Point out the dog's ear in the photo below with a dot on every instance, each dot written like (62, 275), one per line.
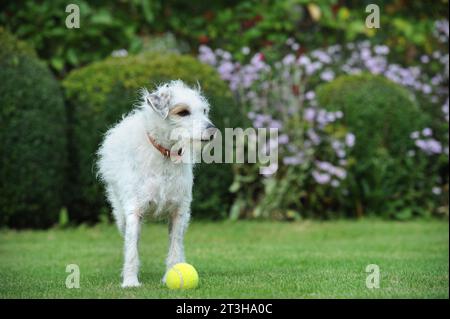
(159, 102)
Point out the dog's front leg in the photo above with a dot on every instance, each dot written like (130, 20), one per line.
(131, 264)
(178, 223)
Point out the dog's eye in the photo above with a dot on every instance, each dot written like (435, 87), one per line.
(184, 113)
(204, 111)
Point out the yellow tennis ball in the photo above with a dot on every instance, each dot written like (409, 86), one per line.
(182, 276)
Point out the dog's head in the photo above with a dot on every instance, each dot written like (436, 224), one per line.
(184, 111)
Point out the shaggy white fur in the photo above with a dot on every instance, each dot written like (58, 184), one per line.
(140, 179)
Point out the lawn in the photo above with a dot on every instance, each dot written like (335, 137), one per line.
(237, 260)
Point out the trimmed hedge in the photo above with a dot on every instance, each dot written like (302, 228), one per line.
(382, 116)
(381, 113)
(99, 94)
(33, 138)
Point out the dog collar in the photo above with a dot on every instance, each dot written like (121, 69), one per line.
(164, 151)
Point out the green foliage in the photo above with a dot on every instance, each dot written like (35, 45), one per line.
(382, 115)
(99, 94)
(33, 135)
(104, 26)
(263, 26)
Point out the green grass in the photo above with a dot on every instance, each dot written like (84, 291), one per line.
(237, 260)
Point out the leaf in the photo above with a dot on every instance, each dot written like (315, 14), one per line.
(235, 186)
(72, 57)
(57, 63)
(102, 17)
(148, 12)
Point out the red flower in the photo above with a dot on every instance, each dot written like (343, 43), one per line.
(247, 24)
(335, 8)
(208, 15)
(267, 43)
(258, 18)
(203, 39)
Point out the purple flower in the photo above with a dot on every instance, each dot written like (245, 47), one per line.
(288, 59)
(436, 190)
(225, 70)
(321, 178)
(313, 137)
(292, 160)
(322, 56)
(427, 132)
(415, 135)
(327, 75)
(365, 54)
(310, 95)
(206, 55)
(350, 139)
(295, 46)
(309, 114)
(341, 153)
(245, 50)
(335, 183)
(340, 172)
(425, 59)
(275, 124)
(283, 139)
(426, 89)
(304, 60)
(381, 49)
(429, 146)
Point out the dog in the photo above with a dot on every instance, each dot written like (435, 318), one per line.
(144, 171)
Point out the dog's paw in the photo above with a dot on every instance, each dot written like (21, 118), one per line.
(131, 282)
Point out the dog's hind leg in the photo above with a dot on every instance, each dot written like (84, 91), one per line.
(117, 209)
(131, 254)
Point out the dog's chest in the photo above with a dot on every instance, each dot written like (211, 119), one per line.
(170, 190)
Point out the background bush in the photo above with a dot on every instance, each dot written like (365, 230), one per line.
(33, 138)
(259, 25)
(382, 115)
(273, 55)
(99, 94)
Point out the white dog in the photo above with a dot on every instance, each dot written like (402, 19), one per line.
(143, 169)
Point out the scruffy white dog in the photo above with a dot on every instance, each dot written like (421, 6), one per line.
(143, 169)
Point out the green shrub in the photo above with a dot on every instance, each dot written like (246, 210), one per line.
(33, 138)
(381, 113)
(100, 93)
(382, 116)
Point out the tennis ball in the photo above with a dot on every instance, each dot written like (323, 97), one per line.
(182, 276)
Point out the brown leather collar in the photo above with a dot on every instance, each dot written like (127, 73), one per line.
(164, 151)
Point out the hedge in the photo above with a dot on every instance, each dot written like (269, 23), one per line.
(33, 138)
(382, 116)
(99, 94)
